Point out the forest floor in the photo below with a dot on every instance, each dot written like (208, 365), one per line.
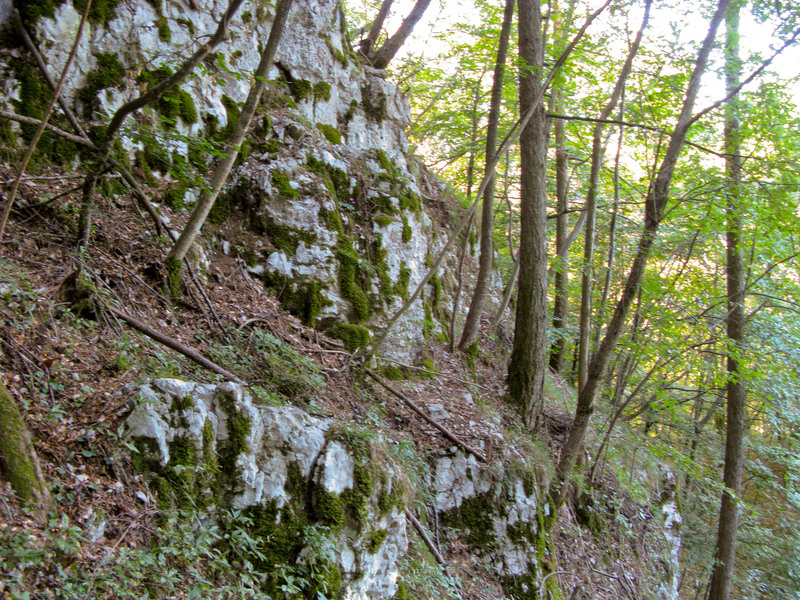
(75, 376)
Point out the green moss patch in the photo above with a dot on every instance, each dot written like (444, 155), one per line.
(301, 89)
(330, 132)
(354, 336)
(352, 281)
(281, 182)
(322, 91)
(305, 300)
(101, 12)
(35, 95)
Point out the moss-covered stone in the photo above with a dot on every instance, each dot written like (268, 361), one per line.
(384, 220)
(228, 450)
(330, 132)
(305, 300)
(403, 281)
(164, 33)
(31, 12)
(407, 232)
(474, 517)
(375, 539)
(350, 280)
(174, 196)
(354, 336)
(233, 111)
(330, 509)
(34, 97)
(301, 89)
(108, 73)
(374, 104)
(322, 91)
(281, 183)
(394, 373)
(101, 12)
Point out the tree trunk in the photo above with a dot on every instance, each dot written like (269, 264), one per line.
(561, 274)
(598, 152)
(486, 261)
(725, 554)
(381, 57)
(528, 363)
(375, 29)
(231, 151)
(18, 460)
(655, 202)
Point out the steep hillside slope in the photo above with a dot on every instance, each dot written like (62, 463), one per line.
(282, 468)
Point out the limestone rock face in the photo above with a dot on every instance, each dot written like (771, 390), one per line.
(213, 447)
(503, 514)
(270, 460)
(326, 182)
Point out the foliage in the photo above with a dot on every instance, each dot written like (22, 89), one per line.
(183, 560)
(274, 366)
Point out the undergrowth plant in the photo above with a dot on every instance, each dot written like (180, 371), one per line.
(276, 369)
(183, 559)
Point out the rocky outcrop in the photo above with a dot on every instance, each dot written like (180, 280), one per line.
(339, 207)
(300, 479)
(297, 479)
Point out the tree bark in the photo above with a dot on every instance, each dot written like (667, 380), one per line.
(18, 460)
(381, 57)
(561, 272)
(725, 553)
(655, 202)
(528, 363)
(231, 151)
(375, 29)
(598, 153)
(486, 260)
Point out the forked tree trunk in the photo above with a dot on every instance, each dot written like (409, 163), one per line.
(375, 29)
(381, 57)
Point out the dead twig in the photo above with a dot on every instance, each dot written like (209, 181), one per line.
(446, 432)
(421, 531)
(548, 576)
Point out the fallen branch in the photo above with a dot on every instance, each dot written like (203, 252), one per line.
(548, 576)
(188, 352)
(428, 542)
(446, 432)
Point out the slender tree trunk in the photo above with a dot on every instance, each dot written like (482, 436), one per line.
(612, 226)
(598, 153)
(561, 275)
(528, 364)
(486, 261)
(381, 57)
(231, 151)
(655, 202)
(722, 574)
(375, 29)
